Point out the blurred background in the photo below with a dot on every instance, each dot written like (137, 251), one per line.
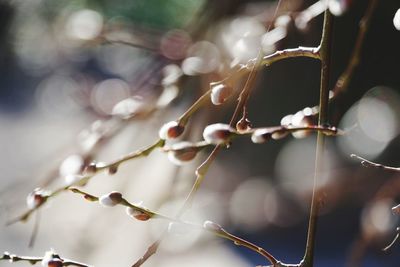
(94, 80)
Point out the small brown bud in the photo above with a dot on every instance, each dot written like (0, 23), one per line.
(112, 169)
(243, 125)
(90, 169)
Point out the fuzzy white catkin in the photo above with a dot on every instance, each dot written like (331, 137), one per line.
(111, 199)
(170, 130)
(220, 93)
(217, 133)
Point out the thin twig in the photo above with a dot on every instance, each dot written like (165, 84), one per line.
(370, 164)
(35, 260)
(344, 79)
(325, 48)
(152, 214)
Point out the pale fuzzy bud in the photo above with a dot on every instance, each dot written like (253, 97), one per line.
(287, 120)
(111, 199)
(220, 93)
(36, 198)
(279, 134)
(137, 214)
(171, 130)
(218, 133)
(300, 120)
(212, 226)
(261, 136)
(182, 153)
(50, 259)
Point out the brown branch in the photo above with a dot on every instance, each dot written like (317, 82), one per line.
(325, 51)
(344, 79)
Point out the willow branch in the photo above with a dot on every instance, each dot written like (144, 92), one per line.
(370, 164)
(325, 48)
(34, 260)
(344, 79)
(215, 229)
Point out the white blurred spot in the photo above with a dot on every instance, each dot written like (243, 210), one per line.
(377, 218)
(377, 119)
(168, 95)
(182, 237)
(171, 74)
(174, 44)
(84, 24)
(71, 165)
(57, 95)
(371, 123)
(396, 20)
(295, 165)
(338, 7)
(242, 38)
(248, 202)
(208, 52)
(122, 60)
(269, 39)
(108, 93)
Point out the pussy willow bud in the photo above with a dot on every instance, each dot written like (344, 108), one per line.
(300, 120)
(36, 198)
(171, 130)
(137, 214)
(218, 133)
(287, 120)
(212, 226)
(220, 93)
(279, 134)
(261, 136)
(90, 169)
(51, 259)
(182, 153)
(111, 199)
